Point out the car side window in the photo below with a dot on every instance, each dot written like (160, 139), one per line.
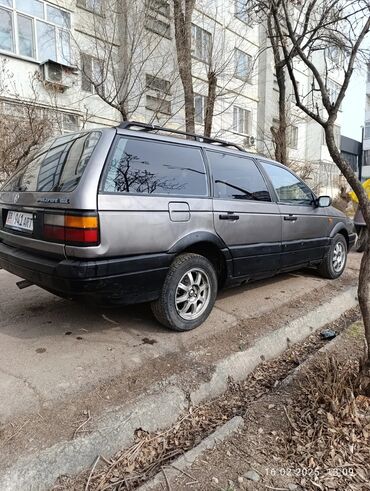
(148, 167)
(288, 187)
(237, 177)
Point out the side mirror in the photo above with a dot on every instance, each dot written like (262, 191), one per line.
(323, 201)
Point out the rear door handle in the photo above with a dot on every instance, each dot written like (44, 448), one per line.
(290, 218)
(230, 216)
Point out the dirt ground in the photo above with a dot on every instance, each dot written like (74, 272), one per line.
(264, 399)
(265, 449)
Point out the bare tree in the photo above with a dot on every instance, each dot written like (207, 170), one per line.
(182, 13)
(24, 126)
(126, 52)
(307, 31)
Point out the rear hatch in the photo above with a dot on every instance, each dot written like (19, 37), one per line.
(51, 201)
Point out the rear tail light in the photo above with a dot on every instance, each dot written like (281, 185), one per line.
(77, 230)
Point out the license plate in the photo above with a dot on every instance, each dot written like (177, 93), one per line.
(19, 220)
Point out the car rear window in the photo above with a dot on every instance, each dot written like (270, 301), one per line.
(58, 167)
(147, 167)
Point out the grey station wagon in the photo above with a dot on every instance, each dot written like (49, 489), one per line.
(129, 214)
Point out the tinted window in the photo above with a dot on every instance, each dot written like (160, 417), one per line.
(147, 167)
(287, 186)
(58, 167)
(237, 178)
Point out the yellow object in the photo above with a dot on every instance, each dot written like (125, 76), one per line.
(366, 186)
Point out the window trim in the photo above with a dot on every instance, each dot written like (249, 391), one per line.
(14, 12)
(258, 167)
(104, 174)
(262, 162)
(248, 77)
(249, 120)
(193, 45)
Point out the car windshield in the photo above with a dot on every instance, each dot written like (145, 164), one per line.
(58, 166)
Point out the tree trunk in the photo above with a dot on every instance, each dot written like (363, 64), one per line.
(182, 21)
(281, 132)
(211, 99)
(364, 276)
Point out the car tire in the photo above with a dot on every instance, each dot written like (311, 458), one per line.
(362, 240)
(188, 293)
(335, 260)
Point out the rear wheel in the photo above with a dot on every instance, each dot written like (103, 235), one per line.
(188, 293)
(334, 262)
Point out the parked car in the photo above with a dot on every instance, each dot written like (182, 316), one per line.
(130, 214)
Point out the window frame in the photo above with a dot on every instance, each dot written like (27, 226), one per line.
(92, 61)
(237, 56)
(248, 121)
(207, 195)
(262, 163)
(203, 99)
(204, 33)
(88, 9)
(58, 29)
(258, 167)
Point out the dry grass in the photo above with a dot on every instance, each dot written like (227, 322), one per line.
(330, 427)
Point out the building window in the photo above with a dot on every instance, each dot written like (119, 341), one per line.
(42, 34)
(161, 7)
(334, 54)
(200, 104)
(241, 11)
(158, 105)
(337, 135)
(158, 84)
(333, 90)
(6, 30)
(366, 158)
(91, 5)
(293, 137)
(241, 120)
(367, 131)
(201, 43)
(158, 26)
(69, 123)
(243, 63)
(92, 76)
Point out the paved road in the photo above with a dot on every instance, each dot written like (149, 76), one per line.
(51, 348)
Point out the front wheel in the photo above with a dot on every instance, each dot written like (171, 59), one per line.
(188, 293)
(334, 262)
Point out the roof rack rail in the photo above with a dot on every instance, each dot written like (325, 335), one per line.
(125, 125)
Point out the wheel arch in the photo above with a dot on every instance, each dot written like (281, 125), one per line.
(210, 246)
(340, 229)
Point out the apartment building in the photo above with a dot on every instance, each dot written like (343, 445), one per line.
(366, 133)
(83, 64)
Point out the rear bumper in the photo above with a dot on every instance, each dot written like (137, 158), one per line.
(127, 280)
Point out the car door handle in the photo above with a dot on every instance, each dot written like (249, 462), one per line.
(229, 216)
(290, 218)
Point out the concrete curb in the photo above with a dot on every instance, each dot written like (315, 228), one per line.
(115, 429)
(239, 365)
(189, 457)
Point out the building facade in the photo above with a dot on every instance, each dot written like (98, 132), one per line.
(366, 132)
(84, 65)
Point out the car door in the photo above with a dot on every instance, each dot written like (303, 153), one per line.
(245, 217)
(305, 227)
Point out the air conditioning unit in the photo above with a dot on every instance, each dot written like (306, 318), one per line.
(54, 75)
(249, 141)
